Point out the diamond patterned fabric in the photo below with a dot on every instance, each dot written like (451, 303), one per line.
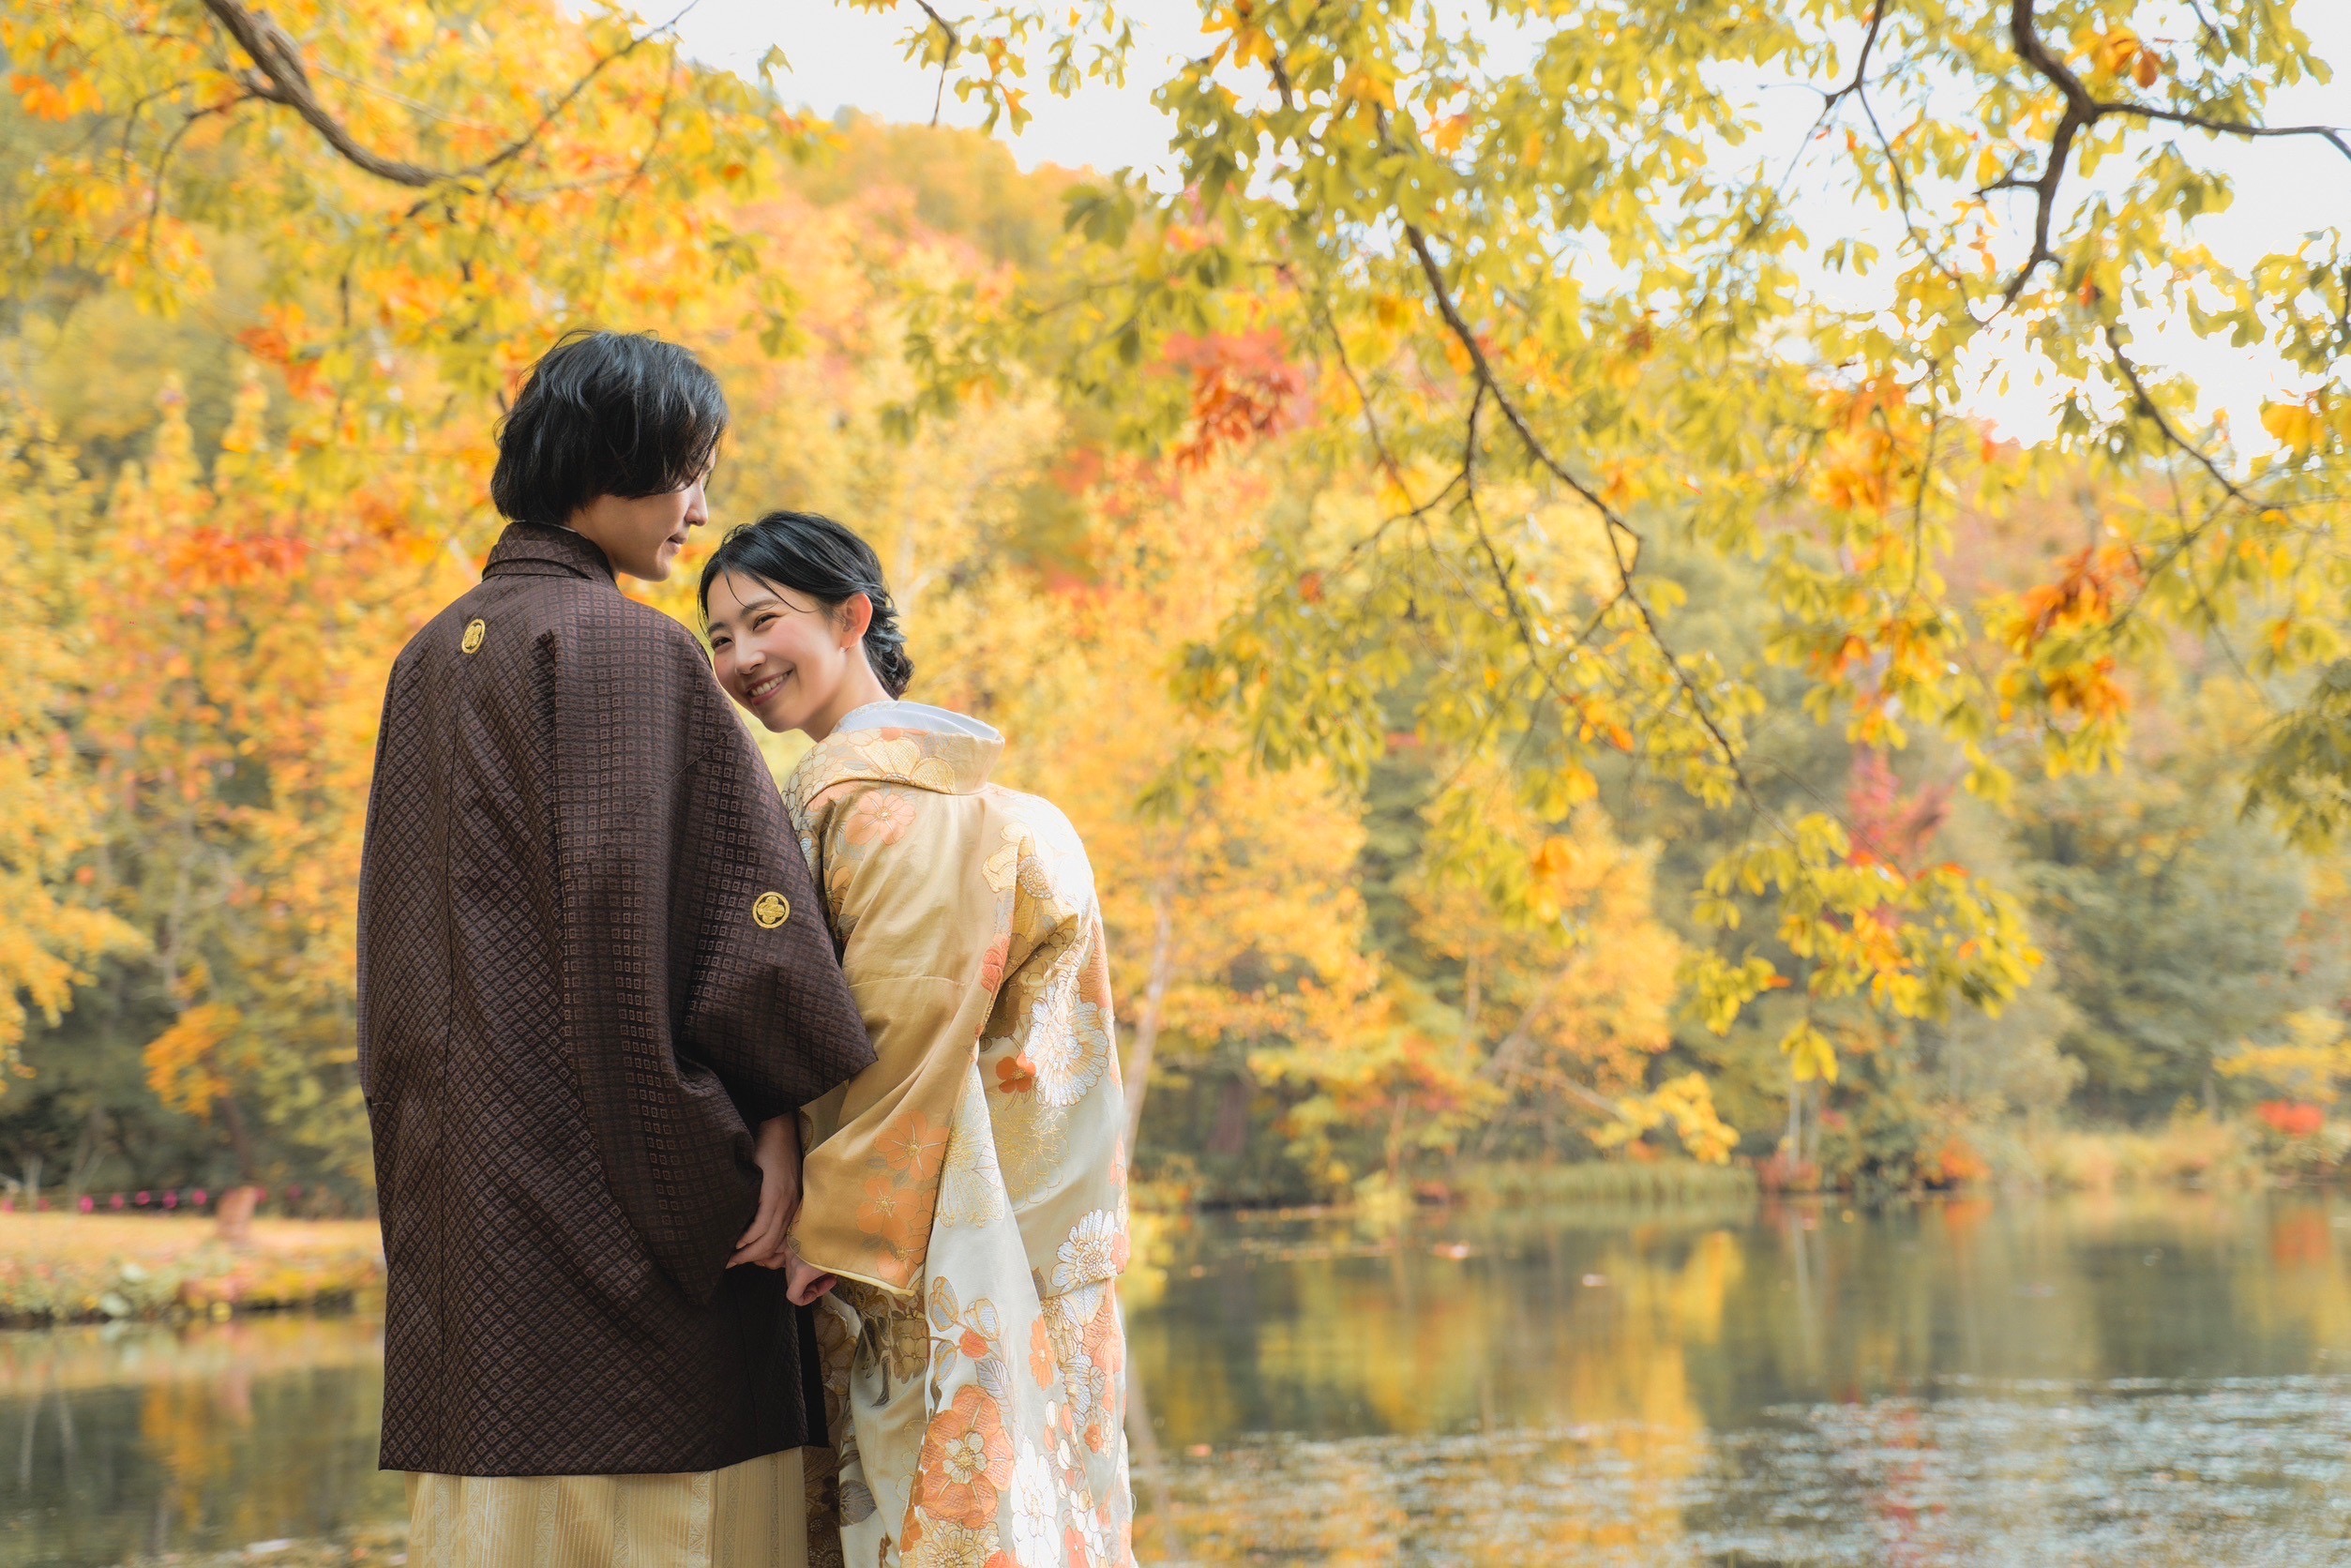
(570, 1018)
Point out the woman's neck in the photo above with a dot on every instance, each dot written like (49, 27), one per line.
(859, 686)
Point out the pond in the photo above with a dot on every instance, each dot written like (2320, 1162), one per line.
(2159, 1379)
(2164, 1380)
(122, 1442)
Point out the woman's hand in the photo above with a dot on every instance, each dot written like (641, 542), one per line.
(776, 1152)
(804, 1282)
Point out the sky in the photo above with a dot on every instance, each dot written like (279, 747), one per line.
(844, 58)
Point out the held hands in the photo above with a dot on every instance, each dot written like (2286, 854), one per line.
(776, 1152)
(804, 1282)
(768, 1242)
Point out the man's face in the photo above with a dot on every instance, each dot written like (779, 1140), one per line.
(644, 534)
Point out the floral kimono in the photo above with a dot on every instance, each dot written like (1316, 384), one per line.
(968, 1188)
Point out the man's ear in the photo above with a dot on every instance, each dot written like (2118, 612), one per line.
(856, 614)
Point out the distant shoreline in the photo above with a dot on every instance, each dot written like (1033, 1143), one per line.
(67, 1268)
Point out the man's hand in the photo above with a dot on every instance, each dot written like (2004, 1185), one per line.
(804, 1282)
(777, 1154)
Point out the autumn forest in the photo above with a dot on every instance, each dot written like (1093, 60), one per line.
(1553, 664)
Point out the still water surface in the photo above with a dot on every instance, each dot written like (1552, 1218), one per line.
(2149, 1381)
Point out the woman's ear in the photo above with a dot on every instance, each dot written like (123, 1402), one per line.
(856, 614)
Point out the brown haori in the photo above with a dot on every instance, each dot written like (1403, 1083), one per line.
(574, 1001)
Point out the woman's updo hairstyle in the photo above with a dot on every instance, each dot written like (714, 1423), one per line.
(816, 556)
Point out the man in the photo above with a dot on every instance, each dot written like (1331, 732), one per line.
(594, 987)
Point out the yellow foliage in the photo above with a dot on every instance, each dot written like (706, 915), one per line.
(2312, 1065)
(1687, 1103)
(1369, 82)
(2121, 52)
(182, 1066)
(1495, 416)
(49, 802)
(2295, 424)
(1810, 1056)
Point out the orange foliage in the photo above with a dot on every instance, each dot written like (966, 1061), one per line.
(2292, 1118)
(1242, 390)
(2086, 596)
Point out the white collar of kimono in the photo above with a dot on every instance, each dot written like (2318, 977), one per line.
(899, 715)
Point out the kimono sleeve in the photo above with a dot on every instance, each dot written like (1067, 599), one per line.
(1050, 1065)
(905, 873)
(766, 1008)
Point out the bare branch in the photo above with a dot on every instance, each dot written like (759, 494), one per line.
(1528, 633)
(2085, 108)
(2170, 433)
(280, 78)
(1861, 62)
(163, 162)
(2332, 135)
(1902, 193)
(1829, 100)
(2189, 533)
(2081, 111)
(1484, 374)
(939, 98)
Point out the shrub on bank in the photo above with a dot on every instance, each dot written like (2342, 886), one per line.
(1629, 1182)
(74, 1268)
(2194, 1149)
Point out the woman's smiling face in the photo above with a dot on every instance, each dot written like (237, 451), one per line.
(780, 654)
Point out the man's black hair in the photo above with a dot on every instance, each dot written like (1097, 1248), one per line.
(605, 414)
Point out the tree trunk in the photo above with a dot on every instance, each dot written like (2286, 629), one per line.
(232, 1119)
(1471, 1001)
(88, 1150)
(1138, 1055)
(1395, 1141)
(1507, 1059)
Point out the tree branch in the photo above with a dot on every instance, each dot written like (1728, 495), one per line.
(1902, 194)
(2085, 108)
(939, 98)
(280, 78)
(1860, 64)
(1614, 525)
(1829, 100)
(2331, 135)
(2189, 534)
(2170, 433)
(163, 161)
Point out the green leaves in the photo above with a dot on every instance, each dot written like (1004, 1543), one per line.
(2303, 772)
(1562, 309)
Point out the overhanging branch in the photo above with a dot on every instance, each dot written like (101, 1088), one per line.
(2085, 108)
(946, 56)
(1619, 531)
(280, 77)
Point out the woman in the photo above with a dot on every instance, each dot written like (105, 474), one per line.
(963, 1216)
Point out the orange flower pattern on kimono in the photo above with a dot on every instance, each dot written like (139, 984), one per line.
(970, 1187)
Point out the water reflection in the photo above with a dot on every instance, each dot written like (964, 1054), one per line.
(2147, 1380)
(2156, 1381)
(116, 1443)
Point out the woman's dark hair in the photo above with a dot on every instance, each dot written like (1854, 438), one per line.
(605, 414)
(816, 556)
